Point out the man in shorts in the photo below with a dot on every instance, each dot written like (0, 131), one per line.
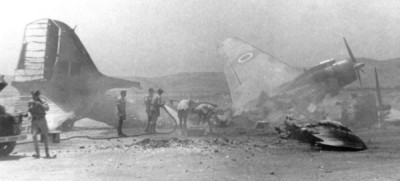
(121, 108)
(37, 108)
(147, 102)
(156, 104)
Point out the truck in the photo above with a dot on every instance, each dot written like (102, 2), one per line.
(10, 127)
(10, 132)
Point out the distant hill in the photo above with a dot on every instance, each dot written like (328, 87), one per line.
(188, 82)
(388, 72)
(215, 82)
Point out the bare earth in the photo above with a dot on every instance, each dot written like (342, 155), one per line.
(223, 156)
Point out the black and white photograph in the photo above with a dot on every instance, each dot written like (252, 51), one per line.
(208, 90)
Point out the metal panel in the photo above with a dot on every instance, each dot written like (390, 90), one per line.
(51, 49)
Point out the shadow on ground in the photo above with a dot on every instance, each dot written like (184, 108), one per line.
(11, 157)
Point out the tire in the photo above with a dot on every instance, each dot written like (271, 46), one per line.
(7, 148)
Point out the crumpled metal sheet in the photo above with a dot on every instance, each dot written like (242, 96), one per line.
(326, 134)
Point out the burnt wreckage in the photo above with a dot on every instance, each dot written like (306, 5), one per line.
(324, 134)
(54, 61)
(264, 84)
(251, 73)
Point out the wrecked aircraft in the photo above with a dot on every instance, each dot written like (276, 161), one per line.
(251, 73)
(325, 134)
(54, 61)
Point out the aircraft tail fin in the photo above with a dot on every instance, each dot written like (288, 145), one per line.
(250, 71)
(53, 52)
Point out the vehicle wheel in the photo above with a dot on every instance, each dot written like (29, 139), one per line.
(7, 148)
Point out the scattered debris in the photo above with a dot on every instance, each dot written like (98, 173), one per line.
(173, 142)
(211, 144)
(195, 131)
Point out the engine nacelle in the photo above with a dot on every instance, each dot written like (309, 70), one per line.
(343, 72)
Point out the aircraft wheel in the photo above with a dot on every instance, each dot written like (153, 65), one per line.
(7, 148)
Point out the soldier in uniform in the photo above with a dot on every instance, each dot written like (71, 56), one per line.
(156, 103)
(37, 108)
(121, 110)
(147, 102)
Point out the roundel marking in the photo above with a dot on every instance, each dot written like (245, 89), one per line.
(245, 57)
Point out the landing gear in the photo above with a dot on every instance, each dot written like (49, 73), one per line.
(7, 148)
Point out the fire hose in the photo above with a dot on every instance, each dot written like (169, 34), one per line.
(171, 112)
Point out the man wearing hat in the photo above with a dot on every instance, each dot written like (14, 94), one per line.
(121, 105)
(156, 103)
(37, 108)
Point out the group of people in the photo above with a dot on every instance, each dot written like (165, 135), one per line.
(37, 108)
(153, 104)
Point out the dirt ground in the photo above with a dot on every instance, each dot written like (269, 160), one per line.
(256, 155)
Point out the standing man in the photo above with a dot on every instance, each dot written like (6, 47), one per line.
(3, 83)
(37, 108)
(184, 107)
(156, 103)
(121, 108)
(147, 102)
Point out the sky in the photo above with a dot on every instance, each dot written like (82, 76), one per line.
(161, 37)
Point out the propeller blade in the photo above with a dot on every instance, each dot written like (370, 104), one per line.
(359, 78)
(378, 89)
(353, 59)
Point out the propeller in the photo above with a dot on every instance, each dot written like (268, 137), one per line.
(381, 107)
(378, 90)
(357, 65)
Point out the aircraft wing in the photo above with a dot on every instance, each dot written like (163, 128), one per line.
(56, 115)
(250, 71)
